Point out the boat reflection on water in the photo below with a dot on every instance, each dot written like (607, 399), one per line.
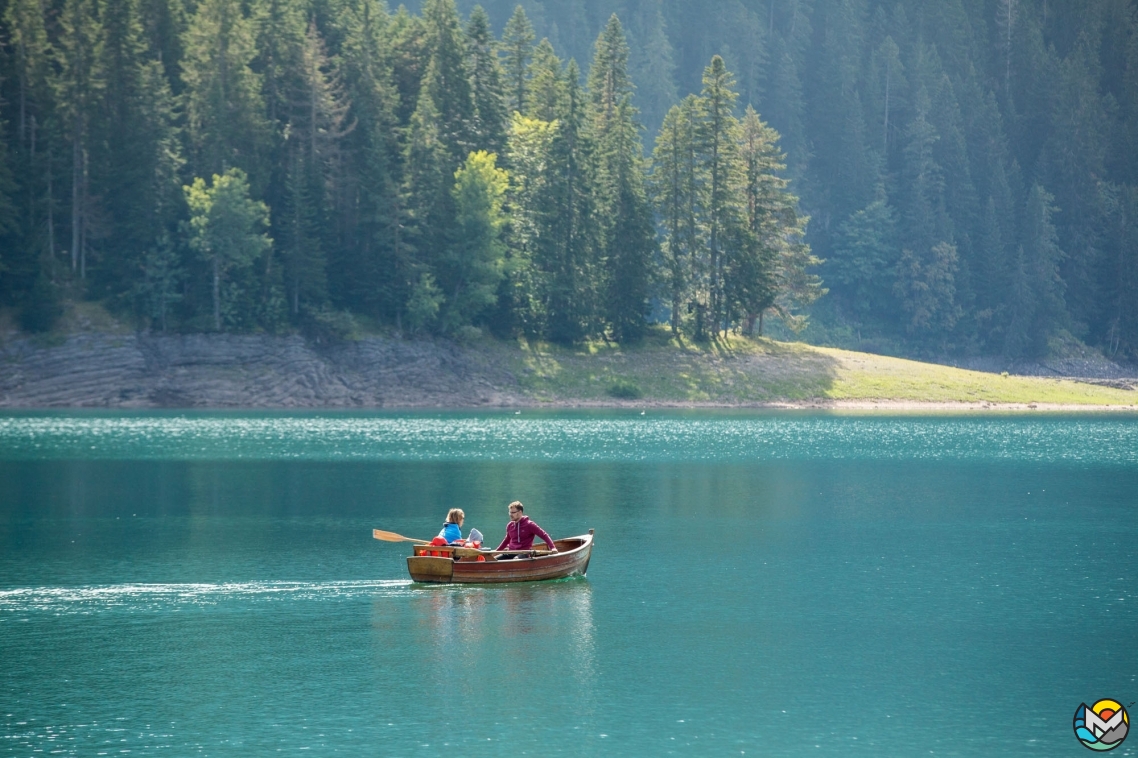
(469, 635)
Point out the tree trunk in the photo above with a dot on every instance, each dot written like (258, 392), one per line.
(50, 211)
(76, 170)
(885, 129)
(216, 293)
(83, 224)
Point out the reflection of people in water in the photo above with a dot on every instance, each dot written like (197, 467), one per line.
(452, 529)
(520, 531)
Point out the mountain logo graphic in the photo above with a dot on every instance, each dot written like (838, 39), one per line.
(1102, 726)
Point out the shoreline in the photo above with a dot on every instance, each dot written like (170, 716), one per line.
(139, 371)
(869, 407)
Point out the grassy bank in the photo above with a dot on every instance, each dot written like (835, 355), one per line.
(741, 371)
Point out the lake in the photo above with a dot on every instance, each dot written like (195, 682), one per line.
(766, 584)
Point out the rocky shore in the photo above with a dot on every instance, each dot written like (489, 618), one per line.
(94, 370)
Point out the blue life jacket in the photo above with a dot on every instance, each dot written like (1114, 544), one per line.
(451, 533)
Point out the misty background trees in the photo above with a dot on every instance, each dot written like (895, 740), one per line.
(960, 175)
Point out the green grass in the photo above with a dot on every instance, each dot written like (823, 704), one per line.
(738, 370)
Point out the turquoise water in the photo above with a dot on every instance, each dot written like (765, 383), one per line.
(762, 584)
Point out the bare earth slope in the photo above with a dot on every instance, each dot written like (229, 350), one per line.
(108, 370)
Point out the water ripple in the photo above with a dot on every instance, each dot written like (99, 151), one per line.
(151, 597)
(567, 438)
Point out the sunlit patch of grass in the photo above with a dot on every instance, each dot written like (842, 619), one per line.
(736, 370)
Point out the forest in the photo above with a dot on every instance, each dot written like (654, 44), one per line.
(924, 177)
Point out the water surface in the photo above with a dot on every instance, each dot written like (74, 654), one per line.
(763, 584)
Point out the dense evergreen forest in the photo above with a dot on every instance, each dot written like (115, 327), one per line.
(931, 177)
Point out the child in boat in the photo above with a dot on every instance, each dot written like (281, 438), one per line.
(452, 529)
(520, 531)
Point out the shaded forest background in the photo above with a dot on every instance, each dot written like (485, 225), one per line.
(966, 171)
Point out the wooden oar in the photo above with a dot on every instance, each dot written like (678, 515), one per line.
(379, 534)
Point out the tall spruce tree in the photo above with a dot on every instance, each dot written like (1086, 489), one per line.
(727, 236)
(517, 44)
(777, 272)
(628, 240)
(489, 120)
(447, 82)
(224, 109)
(678, 194)
(546, 83)
(571, 246)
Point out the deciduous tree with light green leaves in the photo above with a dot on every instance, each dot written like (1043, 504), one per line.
(226, 228)
(471, 270)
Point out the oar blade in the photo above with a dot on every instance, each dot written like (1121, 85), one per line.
(379, 534)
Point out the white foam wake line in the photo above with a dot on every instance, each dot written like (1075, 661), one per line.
(125, 593)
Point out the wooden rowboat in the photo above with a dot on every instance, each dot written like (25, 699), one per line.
(447, 564)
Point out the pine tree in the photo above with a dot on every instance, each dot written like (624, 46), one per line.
(888, 86)
(158, 285)
(651, 63)
(628, 237)
(78, 83)
(1037, 306)
(137, 157)
(407, 37)
(724, 176)
(546, 83)
(925, 220)
(427, 180)
(926, 286)
(678, 195)
(298, 230)
(447, 81)
(279, 26)
(365, 268)
(1121, 273)
(1073, 164)
(489, 123)
(776, 267)
(864, 261)
(843, 175)
(223, 105)
(786, 102)
(571, 244)
(517, 44)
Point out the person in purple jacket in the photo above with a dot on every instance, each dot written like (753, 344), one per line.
(520, 532)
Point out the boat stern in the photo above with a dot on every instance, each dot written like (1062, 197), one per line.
(425, 568)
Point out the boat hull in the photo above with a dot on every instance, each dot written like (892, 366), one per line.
(572, 559)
